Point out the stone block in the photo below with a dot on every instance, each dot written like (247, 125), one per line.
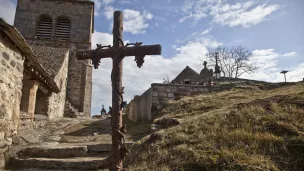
(168, 90)
(2, 134)
(4, 96)
(173, 89)
(155, 93)
(4, 79)
(162, 94)
(201, 89)
(3, 87)
(9, 141)
(170, 95)
(2, 161)
(5, 55)
(13, 63)
(161, 88)
(13, 126)
(3, 62)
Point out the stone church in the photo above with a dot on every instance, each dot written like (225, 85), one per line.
(39, 73)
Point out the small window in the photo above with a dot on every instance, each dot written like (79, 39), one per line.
(63, 28)
(44, 27)
(187, 81)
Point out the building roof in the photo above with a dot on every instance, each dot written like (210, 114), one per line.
(18, 39)
(51, 58)
(187, 73)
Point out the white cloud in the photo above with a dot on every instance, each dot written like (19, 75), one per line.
(244, 14)
(290, 54)
(101, 4)
(127, 1)
(266, 60)
(107, 1)
(296, 73)
(108, 12)
(244, 18)
(101, 38)
(205, 32)
(135, 22)
(7, 11)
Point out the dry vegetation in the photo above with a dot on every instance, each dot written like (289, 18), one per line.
(233, 130)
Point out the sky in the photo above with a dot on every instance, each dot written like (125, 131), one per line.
(272, 29)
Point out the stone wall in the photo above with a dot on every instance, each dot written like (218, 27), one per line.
(80, 14)
(142, 108)
(161, 93)
(56, 102)
(79, 85)
(11, 69)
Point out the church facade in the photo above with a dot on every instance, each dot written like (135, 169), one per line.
(54, 29)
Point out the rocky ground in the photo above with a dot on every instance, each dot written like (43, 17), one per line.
(65, 144)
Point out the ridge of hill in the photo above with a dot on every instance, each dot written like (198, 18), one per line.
(239, 129)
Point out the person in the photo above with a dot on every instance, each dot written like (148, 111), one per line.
(103, 111)
(110, 111)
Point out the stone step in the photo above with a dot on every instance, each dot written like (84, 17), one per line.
(35, 169)
(77, 163)
(54, 152)
(103, 147)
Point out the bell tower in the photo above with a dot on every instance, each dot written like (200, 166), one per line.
(62, 24)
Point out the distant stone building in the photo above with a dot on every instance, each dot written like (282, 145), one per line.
(187, 76)
(190, 77)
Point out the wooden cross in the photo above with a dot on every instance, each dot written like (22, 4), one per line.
(117, 53)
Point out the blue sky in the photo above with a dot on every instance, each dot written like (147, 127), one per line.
(273, 30)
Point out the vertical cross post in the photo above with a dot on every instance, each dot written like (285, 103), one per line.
(116, 76)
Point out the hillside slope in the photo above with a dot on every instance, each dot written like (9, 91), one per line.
(239, 129)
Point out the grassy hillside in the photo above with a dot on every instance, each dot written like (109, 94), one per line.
(240, 129)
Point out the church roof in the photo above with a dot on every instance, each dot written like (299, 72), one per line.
(51, 58)
(31, 59)
(187, 73)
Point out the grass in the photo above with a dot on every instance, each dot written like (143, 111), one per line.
(250, 129)
(136, 130)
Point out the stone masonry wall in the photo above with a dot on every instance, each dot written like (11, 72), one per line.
(57, 101)
(142, 108)
(11, 74)
(87, 90)
(79, 85)
(161, 93)
(131, 111)
(80, 14)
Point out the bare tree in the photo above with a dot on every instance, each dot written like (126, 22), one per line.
(166, 80)
(233, 61)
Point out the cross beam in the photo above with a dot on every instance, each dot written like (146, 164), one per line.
(117, 53)
(126, 51)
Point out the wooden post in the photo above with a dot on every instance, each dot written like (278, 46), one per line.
(116, 76)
